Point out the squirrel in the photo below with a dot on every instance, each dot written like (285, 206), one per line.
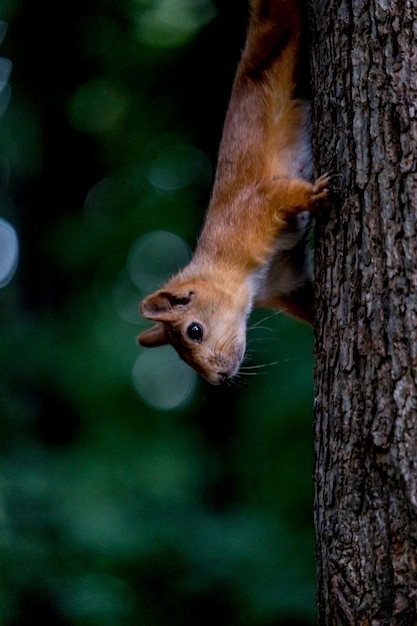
(253, 249)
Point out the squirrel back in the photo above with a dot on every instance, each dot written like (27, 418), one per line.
(252, 250)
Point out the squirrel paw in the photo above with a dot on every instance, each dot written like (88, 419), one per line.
(326, 189)
(321, 187)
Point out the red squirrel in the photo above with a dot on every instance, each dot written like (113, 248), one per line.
(252, 251)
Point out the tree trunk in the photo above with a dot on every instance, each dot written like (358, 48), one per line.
(364, 74)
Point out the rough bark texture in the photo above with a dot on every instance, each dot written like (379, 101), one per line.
(364, 71)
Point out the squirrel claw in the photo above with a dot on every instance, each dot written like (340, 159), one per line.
(321, 187)
(324, 186)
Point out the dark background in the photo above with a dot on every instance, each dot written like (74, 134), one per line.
(126, 498)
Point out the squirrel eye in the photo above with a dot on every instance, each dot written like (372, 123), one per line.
(195, 331)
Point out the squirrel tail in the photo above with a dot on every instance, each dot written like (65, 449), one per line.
(272, 46)
(267, 126)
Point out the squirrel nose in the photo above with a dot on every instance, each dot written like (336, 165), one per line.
(222, 377)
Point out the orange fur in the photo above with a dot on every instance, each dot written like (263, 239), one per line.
(252, 250)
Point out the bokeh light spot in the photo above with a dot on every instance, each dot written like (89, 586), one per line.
(5, 90)
(3, 30)
(154, 257)
(179, 166)
(126, 301)
(9, 252)
(5, 69)
(172, 23)
(162, 379)
(97, 106)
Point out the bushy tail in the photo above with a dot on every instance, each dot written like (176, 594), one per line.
(273, 45)
(265, 126)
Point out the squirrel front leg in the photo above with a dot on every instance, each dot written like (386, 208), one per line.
(257, 218)
(298, 303)
(276, 204)
(288, 197)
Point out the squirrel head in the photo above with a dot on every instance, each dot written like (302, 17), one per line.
(204, 323)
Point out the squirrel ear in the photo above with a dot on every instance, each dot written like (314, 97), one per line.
(163, 306)
(153, 337)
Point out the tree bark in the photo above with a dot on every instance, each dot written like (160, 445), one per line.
(364, 75)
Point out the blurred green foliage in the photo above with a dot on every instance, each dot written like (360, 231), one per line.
(111, 510)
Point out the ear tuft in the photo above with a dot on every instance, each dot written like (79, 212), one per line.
(153, 337)
(164, 306)
(156, 306)
(178, 300)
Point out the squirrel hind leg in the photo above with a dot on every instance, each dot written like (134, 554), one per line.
(298, 304)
